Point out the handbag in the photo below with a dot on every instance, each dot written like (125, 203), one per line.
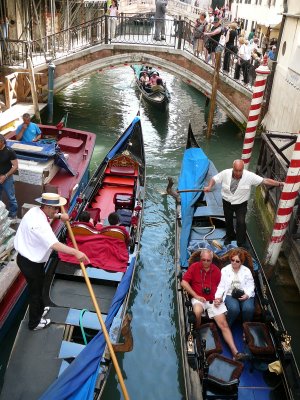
(237, 293)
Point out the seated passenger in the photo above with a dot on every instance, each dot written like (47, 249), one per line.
(159, 86)
(28, 131)
(114, 220)
(85, 217)
(237, 276)
(201, 281)
(144, 79)
(153, 78)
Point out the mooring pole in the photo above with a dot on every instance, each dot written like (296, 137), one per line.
(51, 68)
(262, 73)
(213, 97)
(33, 90)
(287, 200)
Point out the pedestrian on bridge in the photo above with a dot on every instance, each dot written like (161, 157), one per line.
(160, 22)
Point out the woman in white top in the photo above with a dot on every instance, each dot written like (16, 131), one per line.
(113, 14)
(237, 276)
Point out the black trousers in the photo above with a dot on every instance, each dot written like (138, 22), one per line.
(34, 274)
(240, 211)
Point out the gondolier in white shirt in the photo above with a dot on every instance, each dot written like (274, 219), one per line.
(236, 189)
(34, 242)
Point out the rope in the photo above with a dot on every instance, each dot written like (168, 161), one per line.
(81, 325)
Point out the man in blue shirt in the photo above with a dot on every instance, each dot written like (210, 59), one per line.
(28, 131)
(272, 53)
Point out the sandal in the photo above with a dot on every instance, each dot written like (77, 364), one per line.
(240, 356)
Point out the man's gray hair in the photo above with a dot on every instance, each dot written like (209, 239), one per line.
(207, 251)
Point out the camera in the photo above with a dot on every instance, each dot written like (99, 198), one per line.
(206, 290)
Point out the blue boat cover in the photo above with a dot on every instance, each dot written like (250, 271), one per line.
(123, 139)
(46, 150)
(194, 168)
(44, 153)
(77, 382)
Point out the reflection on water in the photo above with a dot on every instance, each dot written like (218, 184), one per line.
(105, 103)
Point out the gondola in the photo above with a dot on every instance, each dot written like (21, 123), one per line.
(208, 367)
(158, 98)
(58, 163)
(68, 358)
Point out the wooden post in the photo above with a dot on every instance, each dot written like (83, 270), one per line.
(33, 90)
(213, 94)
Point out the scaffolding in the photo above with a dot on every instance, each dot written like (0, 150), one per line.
(32, 20)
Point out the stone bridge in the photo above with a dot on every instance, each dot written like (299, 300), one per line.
(231, 96)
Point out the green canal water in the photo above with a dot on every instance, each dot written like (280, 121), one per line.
(105, 103)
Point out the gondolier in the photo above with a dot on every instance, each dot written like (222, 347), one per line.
(236, 189)
(34, 242)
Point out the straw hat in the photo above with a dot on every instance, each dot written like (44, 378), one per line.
(51, 199)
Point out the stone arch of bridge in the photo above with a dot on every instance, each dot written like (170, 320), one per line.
(234, 99)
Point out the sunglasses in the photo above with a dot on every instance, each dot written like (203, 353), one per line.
(234, 260)
(204, 259)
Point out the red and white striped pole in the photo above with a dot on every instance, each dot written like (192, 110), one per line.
(262, 73)
(285, 208)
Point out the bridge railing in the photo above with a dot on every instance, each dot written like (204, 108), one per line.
(127, 28)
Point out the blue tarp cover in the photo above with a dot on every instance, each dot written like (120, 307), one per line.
(77, 382)
(194, 168)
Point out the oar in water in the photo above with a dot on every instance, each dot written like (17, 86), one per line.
(97, 308)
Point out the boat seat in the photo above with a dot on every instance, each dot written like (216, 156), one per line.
(209, 333)
(83, 229)
(223, 378)
(114, 170)
(70, 144)
(258, 339)
(119, 180)
(114, 232)
(70, 349)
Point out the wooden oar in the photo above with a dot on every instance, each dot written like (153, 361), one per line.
(189, 190)
(97, 308)
(175, 193)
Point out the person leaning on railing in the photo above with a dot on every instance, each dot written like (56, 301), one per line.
(211, 45)
(200, 28)
(230, 45)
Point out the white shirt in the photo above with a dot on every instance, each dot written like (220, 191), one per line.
(243, 190)
(35, 236)
(228, 276)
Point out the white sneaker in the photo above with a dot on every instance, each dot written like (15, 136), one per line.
(46, 310)
(43, 324)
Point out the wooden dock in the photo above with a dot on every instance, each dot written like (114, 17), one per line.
(12, 117)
